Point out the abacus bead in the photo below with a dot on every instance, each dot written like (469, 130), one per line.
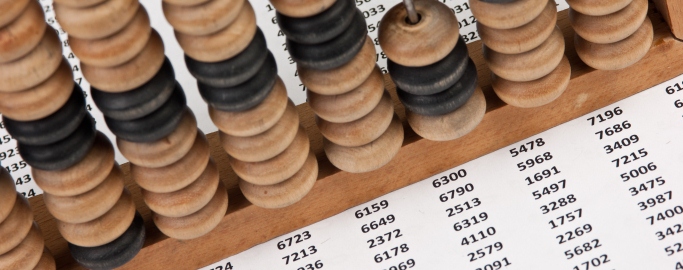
(344, 78)
(255, 120)
(524, 38)
(162, 152)
(185, 2)
(352, 105)
(27, 254)
(320, 27)
(202, 19)
(301, 8)
(285, 193)
(81, 177)
(117, 48)
(534, 93)
(452, 125)
(507, 15)
(266, 145)
(17, 224)
(177, 175)
(223, 44)
(97, 21)
(46, 262)
(233, 71)
(277, 169)
(8, 194)
(11, 9)
(612, 27)
(598, 7)
(129, 75)
(22, 34)
(370, 156)
(423, 43)
(78, 3)
(34, 67)
(616, 55)
(531, 65)
(434, 78)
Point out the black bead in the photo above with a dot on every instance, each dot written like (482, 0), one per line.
(114, 254)
(246, 95)
(433, 78)
(333, 53)
(140, 101)
(155, 125)
(320, 27)
(446, 101)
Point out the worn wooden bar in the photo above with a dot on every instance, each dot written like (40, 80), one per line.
(672, 11)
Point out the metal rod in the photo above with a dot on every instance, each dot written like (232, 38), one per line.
(412, 14)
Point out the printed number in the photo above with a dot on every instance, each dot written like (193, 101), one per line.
(652, 202)
(625, 142)
(571, 235)
(300, 255)
(374, 208)
(228, 266)
(670, 231)
(609, 131)
(379, 240)
(602, 117)
(626, 159)
(465, 223)
(312, 266)
(527, 147)
(375, 224)
(16, 166)
(495, 265)
(459, 208)
(632, 174)
(669, 213)
(487, 250)
(373, 11)
(539, 176)
(552, 188)
(583, 248)
(29, 194)
(529, 163)
(9, 153)
(595, 262)
(410, 263)
(393, 252)
(476, 237)
(444, 197)
(23, 180)
(673, 89)
(297, 238)
(566, 218)
(451, 177)
(648, 185)
(562, 202)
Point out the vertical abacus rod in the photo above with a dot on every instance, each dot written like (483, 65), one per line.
(412, 13)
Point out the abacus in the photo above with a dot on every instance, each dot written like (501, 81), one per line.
(245, 224)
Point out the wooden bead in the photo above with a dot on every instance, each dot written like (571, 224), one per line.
(8, 196)
(598, 7)
(508, 15)
(352, 105)
(344, 78)
(165, 151)
(104, 229)
(277, 169)
(255, 120)
(34, 67)
(46, 262)
(266, 145)
(89, 205)
(301, 8)
(423, 43)
(27, 254)
(530, 65)
(203, 19)
(97, 21)
(370, 156)
(22, 34)
(452, 125)
(41, 100)
(117, 48)
(285, 193)
(320, 28)
(78, 3)
(17, 224)
(187, 200)
(616, 55)
(362, 131)
(82, 177)
(130, 74)
(11, 9)
(524, 38)
(225, 43)
(612, 27)
(177, 175)
(185, 2)
(199, 223)
(534, 93)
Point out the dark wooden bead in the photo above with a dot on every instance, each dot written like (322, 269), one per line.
(320, 27)
(301, 8)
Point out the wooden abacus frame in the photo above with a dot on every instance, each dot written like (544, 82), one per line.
(246, 225)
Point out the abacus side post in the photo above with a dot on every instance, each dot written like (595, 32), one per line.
(671, 11)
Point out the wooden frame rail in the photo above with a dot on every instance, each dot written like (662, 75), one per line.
(672, 11)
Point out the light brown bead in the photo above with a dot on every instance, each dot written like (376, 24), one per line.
(266, 145)
(301, 8)
(452, 125)
(185, 2)
(202, 19)
(34, 67)
(423, 43)
(41, 100)
(16, 226)
(362, 131)
(165, 151)
(90, 205)
(223, 44)
(534, 93)
(368, 157)
(46, 262)
(97, 21)
(344, 78)
(508, 15)
(177, 175)
(22, 34)
(255, 120)
(616, 55)
(104, 229)
(84, 176)
(131, 74)
(530, 65)
(11, 9)
(598, 7)
(27, 254)
(78, 3)
(277, 169)
(612, 27)
(8, 194)
(285, 193)
(117, 48)
(187, 200)
(199, 223)
(523, 38)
